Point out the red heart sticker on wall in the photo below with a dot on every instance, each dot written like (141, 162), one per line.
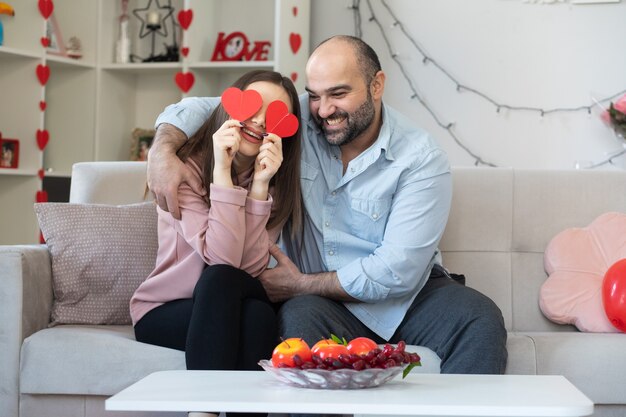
(241, 105)
(279, 121)
(45, 42)
(295, 11)
(42, 139)
(294, 76)
(41, 173)
(184, 50)
(184, 18)
(295, 41)
(184, 81)
(42, 105)
(45, 8)
(42, 196)
(43, 73)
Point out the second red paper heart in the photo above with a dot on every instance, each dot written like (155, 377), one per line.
(279, 121)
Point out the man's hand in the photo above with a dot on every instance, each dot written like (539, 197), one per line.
(166, 171)
(285, 281)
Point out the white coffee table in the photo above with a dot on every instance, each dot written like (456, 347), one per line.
(417, 395)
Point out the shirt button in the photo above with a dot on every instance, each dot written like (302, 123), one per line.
(352, 169)
(375, 216)
(327, 224)
(334, 193)
(331, 253)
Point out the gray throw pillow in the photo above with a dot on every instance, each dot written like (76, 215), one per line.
(100, 254)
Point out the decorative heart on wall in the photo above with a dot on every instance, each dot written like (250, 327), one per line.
(184, 18)
(279, 121)
(42, 139)
(45, 8)
(295, 40)
(241, 105)
(294, 76)
(184, 81)
(185, 51)
(294, 11)
(45, 42)
(42, 196)
(43, 73)
(41, 173)
(42, 105)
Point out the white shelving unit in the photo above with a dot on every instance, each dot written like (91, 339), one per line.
(93, 103)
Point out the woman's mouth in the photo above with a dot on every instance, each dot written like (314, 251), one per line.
(251, 136)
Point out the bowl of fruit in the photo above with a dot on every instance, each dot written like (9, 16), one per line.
(338, 364)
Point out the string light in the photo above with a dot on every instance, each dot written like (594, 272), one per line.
(460, 87)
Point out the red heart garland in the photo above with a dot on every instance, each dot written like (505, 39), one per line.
(42, 139)
(45, 8)
(295, 11)
(42, 196)
(42, 105)
(185, 51)
(41, 239)
(41, 173)
(295, 41)
(184, 81)
(0, 135)
(184, 18)
(279, 121)
(45, 42)
(43, 73)
(294, 76)
(241, 105)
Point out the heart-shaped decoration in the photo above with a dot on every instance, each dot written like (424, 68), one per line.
(294, 76)
(41, 173)
(241, 105)
(43, 73)
(42, 139)
(41, 239)
(42, 196)
(42, 105)
(184, 18)
(279, 121)
(295, 40)
(45, 42)
(0, 135)
(184, 50)
(294, 11)
(45, 8)
(184, 81)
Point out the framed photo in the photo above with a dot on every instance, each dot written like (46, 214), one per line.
(53, 33)
(140, 144)
(10, 155)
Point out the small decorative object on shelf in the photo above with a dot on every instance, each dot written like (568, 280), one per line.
(7, 9)
(615, 116)
(153, 23)
(122, 47)
(236, 47)
(140, 144)
(74, 48)
(56, 46)
(10, 153)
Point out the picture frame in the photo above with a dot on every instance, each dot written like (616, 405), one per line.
(9, 153)
(53, 33)
(141, 141)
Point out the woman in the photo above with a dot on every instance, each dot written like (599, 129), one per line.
(202, 296)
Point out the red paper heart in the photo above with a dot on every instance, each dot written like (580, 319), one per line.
(279, 121)
(184, 18)
(42, 196)
(42, 139)
(184, 51)
(295, 11)
(0, 135)
(294, 76)
(241, 105)
(295, 41)
(45, 42)
(45, 8)
(42, 105)
(41, 173)
(185, 80)
(43, 73)
(41, 239)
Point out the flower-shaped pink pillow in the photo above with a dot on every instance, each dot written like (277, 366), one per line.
(576, 261)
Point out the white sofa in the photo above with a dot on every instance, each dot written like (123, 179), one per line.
(501, 221)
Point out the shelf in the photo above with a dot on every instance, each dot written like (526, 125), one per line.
(141, 67)
(6, 52)
(232, 64)
(22, 172)
(61, 60)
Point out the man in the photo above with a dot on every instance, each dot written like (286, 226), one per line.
(377, 194)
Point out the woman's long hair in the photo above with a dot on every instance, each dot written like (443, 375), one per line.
(286, 182)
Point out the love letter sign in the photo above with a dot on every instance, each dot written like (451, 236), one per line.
(241, 105)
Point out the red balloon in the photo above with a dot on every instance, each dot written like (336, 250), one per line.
(614, 294)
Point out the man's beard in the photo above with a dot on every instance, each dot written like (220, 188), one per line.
(358, 122)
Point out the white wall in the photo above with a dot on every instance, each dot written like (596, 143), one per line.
(518, 53)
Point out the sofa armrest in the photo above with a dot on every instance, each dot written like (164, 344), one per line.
(25, 304)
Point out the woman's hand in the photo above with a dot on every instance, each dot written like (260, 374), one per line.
(225, 146)
(269, 159)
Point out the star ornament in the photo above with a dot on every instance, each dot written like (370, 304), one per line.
(142, 14)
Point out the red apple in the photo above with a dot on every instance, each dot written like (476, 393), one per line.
(331, 351)
(361, 345)
(321, 343)
(285, 351)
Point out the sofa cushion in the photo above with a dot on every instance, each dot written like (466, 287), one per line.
(100, 254)
(577, 259)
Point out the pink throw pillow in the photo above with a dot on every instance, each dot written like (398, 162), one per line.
(576, 261)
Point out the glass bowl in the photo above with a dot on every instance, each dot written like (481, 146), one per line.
(335, 379)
